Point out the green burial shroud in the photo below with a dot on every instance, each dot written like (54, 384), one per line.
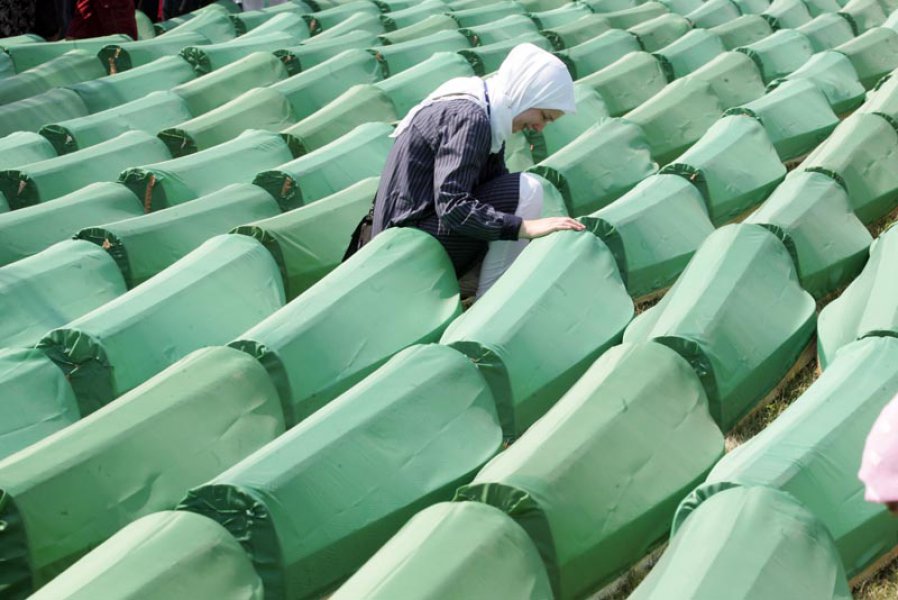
(107, 92)
(30, 114)
(71, 67)
(598, 167)
(482, 15)
(24, 147)
(311, 90)
(733, 78)
(28, 56)
(583, 29)
(155, 111)
(404, 17)
(864, 14)
(290, 22)
(628, 17)
(361, 21)
(308, 526)
(49, 289)
(677, 117)
(215, 25)
(834, 75)
(143, 246)
(260, 109)
(431, 24)
(505, 29)
(36, 400)
(250, 19)
(453, 549)
(138, 455)
(600, 52)
(862, 155)
(682, 7)
(714, 13)
(711, 318)
(176, 181)
(258, 69)
(339, 12)
(820, 7)
(410, 87)
(595, 482)
(158, 557)
(305, 56)
(868, 307)
(487, 59)
(121, 57)
(883, 99)
(357, 155)
(591, 110)
(55, 177)
(827, 31)
(661, 31)
(17, 40)
(309, 242)
(606, 6)
(780, 53)
(812, 451)
(796, 116)
(748, 543)
(734, 166)
(628, 82)
(696, 48)
(559, 16)
(29, 230)
(396, 58)
(742, 31)
(125, 342)
(565, 288)
(811, 214)
(787, 14)
(205, 59)
(653, 230)
(873, 54)
(351, 312)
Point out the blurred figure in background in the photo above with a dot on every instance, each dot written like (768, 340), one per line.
(879, 465)
(94, 18)
(16, 17)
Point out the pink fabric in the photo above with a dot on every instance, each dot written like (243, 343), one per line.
(879, 465)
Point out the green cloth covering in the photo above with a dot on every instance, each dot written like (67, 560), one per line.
(29, 230)
(143, 246)
(49, 289)
(361, 21)
(149, 114)
(348, 310)
(410, 87)
(122, 344)
(677, 117)
(24, 147)
(599, 166)
(787, 14)
(18, 40)
(250, 19)
(827, 31)
(606, 6)
(431, 24)
(310, 241)
(312, 525)
(628, 82)
(864, 15)
(756, 7)
(780, 53)
(396, 58)
(714, 13)
(862, 155)
(682, 7)
(582, 30)
(71, 67)
(121, 57)
(873, 54)
(360, 104)
(810, 213)
(453, 550)
(311, 90)
(290, 22)
(55, 177)
(733, 77)
(138, 455)
(359, 154)
(485, 60)
(172, 182)
(260, 108)
(482, 15)
(820, 7)
(796, 115)
(28, 56)
(305, 56)
(215, 25)
(600, 52)
(653, 230)
(30, 114)
(162, 556)
(867, 308)
(624, 19)
(591, 110)
(567, 13)
(36, 400)
(882, 100)
(661, 31)
(205, 59)
(742, 31)
(688, 53)
(595, 482)
(812, 451)
(107, 92)
(835, 76)
(330, 17)
(548, 294)
(748, 543)
(411, 15)
(503, 30)
(7, 69)
(711, 318)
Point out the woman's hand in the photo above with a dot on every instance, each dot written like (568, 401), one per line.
(539, 227)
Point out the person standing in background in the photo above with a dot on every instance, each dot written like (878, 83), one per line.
(94, 18)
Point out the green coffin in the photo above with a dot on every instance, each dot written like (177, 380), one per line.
(628, 17)
(396, 58)
(127, 55)
(502, 30)
(628, 82)
(28, 56)
(714, 13)
(688, 53)
(405, 17)
(410, 87)
(30, 114)
(481, 15)
(314, 52)
(661, 31)
(485, 60)
(211, 22)
(599, 52)
(431, 24)
(71, 67)
(582, 30)
(742, 31)
(780, 53)
(591, 110)
(211, 57)
(23, 148)
(733, 78)
(864, 15)
(883, 99)
(834, 75)
(110, 91)
(787, 14)
(873, 54)
(827, 31)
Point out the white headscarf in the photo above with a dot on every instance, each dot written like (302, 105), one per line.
(529, 77)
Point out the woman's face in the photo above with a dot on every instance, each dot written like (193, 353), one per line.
(535, 119)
